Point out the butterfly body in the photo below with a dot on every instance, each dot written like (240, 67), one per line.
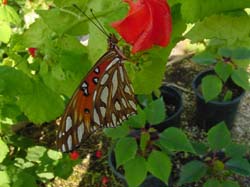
(104, 98)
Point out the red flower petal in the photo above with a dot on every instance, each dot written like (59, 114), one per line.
(32, 51)
(148, 23)
(98, 154)
(133, 25)
(74, 155)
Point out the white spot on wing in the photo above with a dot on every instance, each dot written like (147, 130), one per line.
(63, 148)
(68, 123)
(127, 89)
(117, 106)
(112, 63)
(115, 83)
(104, 78)
(93, 128)
(60, 134)
(80, 132)
(97, 70)
(84, 85)
(124, 103)
(121, 73)
(94, 96)
(104, 95)
(132, 104)
(103, 111)
(114, 118)
(69, 142)
(96, 117)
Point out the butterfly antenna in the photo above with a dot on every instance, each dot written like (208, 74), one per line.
(99, 26)
(92, 12)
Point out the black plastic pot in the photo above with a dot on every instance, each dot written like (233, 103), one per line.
(210, 113)
(150, 181)
(172, 99)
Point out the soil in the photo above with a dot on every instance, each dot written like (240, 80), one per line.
(91, 170)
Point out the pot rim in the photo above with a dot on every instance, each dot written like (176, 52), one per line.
(197, 93)
(118, 174)
(178, 94)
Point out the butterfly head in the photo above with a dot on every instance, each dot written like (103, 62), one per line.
(112, 42)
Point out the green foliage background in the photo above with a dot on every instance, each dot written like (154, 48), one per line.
(37, 89)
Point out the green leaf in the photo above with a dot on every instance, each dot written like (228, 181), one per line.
(135, 171)
(211, 87)
(149, 76)
(2, 86)
(96, 37)
(229, 183)
(228, 96)
(35, 153)
(241, 78)
(212, 183)
(8, 14)
(4, 150)
(67, 20)
(159, 165)
(54, 155)
(64, 168)
(145, 137)
(200, 148)
(66, 3)
(23, 164)
(219, 136)
(46, 175)
(205, 57)
(221, 27)
(239, 165)
(223, 70)
(239, 53)
(5, 31)
(192, 171)
(174, 139)
(234, 150)
(24, 179)
(118, 132)
(194, 10)
(42, 104)
(5, 180)
(68, 72)
(15, 81)
(125, 150)
(156, 112)
(36, 36)
(138, 120)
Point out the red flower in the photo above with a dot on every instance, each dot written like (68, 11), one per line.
(148, 23)
(74, 155)
(32, 51)
(98, 154)
(105, 180)
(5, 2)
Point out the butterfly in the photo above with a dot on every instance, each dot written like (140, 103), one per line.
(104, 98)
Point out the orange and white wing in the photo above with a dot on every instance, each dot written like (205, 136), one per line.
(103, 99)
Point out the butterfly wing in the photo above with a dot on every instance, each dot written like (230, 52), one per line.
(114, 99)
(104, 98)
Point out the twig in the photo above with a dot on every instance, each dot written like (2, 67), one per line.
(179, 58)
(179, 87)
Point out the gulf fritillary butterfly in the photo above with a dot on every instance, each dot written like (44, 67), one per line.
(104, 98)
